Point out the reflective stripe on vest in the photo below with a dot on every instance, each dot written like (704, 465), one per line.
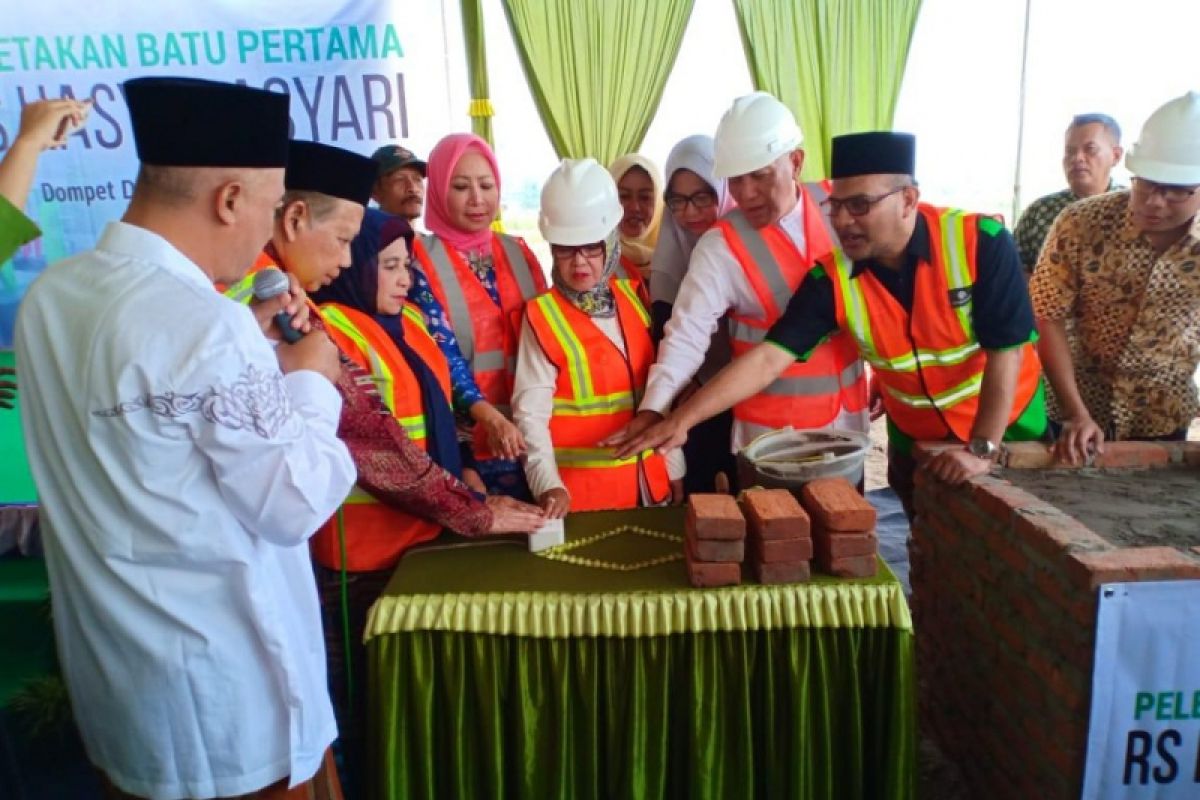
(595, 393)
(928, 361)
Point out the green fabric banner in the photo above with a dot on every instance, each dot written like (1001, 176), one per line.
(838, 64)
(597, 68)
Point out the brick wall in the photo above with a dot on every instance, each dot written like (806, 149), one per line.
(1004, 600)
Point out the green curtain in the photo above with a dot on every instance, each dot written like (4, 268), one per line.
(801, 713)
(838, 64)
(597, 68)
(477, 75)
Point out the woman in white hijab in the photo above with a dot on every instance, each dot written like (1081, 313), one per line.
(695, 200)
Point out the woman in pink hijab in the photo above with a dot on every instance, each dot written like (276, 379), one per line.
(471, 284)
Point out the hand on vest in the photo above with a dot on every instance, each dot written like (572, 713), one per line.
(1081, 439)
(956, 465)
(663, 437)
(8, 389)
(639, 424)
(555, 503)
(504, 439)
(513, 516)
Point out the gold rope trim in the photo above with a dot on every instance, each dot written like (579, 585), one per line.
(481, 107)
(561, 552)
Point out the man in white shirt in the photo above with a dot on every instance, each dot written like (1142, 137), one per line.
(747, 266)
(182, 465)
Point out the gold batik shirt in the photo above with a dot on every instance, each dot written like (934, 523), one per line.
(1133, 316)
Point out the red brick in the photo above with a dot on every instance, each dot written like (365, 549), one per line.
(733, 550)
(781, 571)
(850, 567)
(1132, 454)
(715, 516)
(1052, 533)
(837, 505)
(999, 499)
(782, 550)
(829, 545)
(774, 514)
(1135, 564)
(1027, 455)
(703, 574)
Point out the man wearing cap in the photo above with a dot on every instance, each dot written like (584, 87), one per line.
(182, 465)
(400, 186)
(935, 301)
(1124, 269)
(747, 267)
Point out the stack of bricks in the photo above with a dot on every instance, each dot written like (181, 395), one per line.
(714, 540)
(843, 528)
(780, 544)
(1004, 601)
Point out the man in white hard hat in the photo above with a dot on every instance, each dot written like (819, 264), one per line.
(747, 267)
(1124, 267)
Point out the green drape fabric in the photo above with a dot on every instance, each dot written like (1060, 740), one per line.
(480, 109)
(496, 673)
(597, 68)
(838, 64)
(802, 713)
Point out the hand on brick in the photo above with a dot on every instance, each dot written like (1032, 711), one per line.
(955, 466)
(513, 516)
(555, 503)
(1080, 441)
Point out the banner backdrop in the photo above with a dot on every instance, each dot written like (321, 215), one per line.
(1144, 738)
(360, 73)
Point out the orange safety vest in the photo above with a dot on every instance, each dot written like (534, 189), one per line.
(808, 394)
(628, 271)
(377, 534)
(597, 391)
(486, 334)
(929, 364)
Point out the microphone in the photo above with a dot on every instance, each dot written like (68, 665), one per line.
(270, 283)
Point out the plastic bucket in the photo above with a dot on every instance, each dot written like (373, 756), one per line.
(788, 458)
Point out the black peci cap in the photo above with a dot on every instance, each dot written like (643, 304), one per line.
(314, 167)
(873, 153)
(188, 122)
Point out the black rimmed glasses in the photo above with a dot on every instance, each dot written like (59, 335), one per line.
(1170, 192)
(562, 252)
(700, 201)
(859, 205)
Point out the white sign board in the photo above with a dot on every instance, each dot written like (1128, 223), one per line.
(361, 73)
(1144, 737)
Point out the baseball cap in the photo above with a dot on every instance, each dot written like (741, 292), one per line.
(392, 157)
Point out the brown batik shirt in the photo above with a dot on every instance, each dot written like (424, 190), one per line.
(1133, 316)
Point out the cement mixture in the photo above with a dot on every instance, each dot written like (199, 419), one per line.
(1129, 507)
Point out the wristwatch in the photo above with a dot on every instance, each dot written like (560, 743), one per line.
(983, 448)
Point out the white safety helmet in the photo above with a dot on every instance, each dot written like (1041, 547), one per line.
(579, 203)
(755, 131)
(1168, 151)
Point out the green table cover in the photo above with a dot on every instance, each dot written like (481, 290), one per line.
(497, 673)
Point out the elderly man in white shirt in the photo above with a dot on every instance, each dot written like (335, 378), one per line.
(747, 266)
(182, 465)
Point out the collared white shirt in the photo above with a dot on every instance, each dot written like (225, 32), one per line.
(180, 476)
(714, 284)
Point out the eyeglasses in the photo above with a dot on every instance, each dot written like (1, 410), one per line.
(562, 252)
(700, 201)
(1171, 193)
(859, 205)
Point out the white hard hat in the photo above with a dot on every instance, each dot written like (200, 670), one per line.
(579, 203)
(1168, 151)
(755, 131)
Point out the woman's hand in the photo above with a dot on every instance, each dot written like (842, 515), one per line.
(504, 439)
(473, 481)
(555, 503)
